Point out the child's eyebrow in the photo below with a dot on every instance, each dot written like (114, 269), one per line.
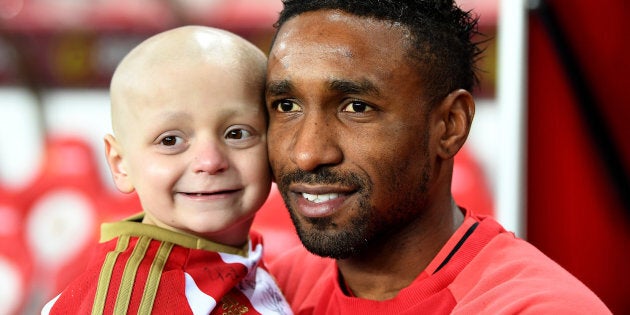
(174, 116)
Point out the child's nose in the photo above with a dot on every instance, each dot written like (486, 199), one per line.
(210, 158)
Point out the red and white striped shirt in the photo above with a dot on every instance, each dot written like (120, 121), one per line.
(143, 269)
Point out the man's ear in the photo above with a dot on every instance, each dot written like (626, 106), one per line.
(456, 112)
(117, 165)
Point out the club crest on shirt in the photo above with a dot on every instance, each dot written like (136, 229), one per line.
(231, 306)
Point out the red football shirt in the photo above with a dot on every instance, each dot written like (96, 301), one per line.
(482, 269)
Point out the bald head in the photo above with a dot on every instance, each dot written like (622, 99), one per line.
(161, 59)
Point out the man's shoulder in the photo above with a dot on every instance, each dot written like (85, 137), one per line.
(508, 255)
(510, 274)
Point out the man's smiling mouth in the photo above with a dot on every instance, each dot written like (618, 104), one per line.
(320, 197)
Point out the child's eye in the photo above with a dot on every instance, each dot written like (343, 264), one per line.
(237, 134)
(170, 140)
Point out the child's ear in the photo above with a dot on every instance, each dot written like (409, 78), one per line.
(117, 165)
(457, 111)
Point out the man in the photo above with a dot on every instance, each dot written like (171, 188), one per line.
(369, 101)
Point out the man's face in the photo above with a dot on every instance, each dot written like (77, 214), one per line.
(349, 141)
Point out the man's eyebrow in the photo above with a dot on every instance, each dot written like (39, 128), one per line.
(353, 87)
(278, 87)
(281, 87)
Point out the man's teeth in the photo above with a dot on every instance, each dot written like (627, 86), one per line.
(319, 198)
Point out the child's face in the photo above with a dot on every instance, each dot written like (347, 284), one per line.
(194, 149)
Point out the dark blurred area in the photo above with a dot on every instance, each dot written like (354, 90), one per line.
(50, 43)
(578, 170)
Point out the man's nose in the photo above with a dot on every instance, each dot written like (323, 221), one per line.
(315, 143)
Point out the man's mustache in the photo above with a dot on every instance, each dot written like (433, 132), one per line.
(322, 175)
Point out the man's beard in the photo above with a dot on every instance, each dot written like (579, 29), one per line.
(326, 238)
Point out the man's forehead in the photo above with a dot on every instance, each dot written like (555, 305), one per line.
(305, 35)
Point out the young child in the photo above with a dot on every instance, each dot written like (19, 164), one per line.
(190, 138)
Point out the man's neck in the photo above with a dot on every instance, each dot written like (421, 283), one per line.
(391, 265)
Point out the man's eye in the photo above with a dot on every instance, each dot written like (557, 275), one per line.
(237, 134)
(170, 140)
(286, 106)
(357, 107)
